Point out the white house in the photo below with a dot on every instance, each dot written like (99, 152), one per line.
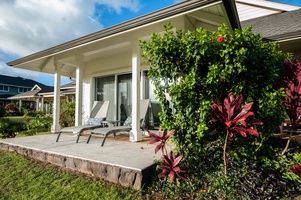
(107, 64)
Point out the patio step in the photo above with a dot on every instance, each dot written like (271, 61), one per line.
(127, 176)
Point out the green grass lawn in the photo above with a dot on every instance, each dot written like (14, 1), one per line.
(22, 178)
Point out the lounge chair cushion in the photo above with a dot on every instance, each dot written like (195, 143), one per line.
(128, 121)
(94, 121)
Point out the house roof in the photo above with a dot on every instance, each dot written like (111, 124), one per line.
(281, 26)
(17, 81)
(250, 9)
(214, 12)
(70, 85)
(5, 96)
(33, 93)
(284, 28)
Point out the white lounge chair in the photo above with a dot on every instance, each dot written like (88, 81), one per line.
(98, 115)
(106, 131)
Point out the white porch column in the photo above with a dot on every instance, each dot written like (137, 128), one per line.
(20, 105)
(56, 101)
(79, 91)
(38, 104)
(136, 133)
(42, 104)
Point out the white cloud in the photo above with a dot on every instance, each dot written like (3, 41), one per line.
(29, 26)
(33, 25)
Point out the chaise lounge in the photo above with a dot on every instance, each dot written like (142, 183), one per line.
(98, 115)
(106, 131)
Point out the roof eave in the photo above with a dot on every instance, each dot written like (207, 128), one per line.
(170, 11)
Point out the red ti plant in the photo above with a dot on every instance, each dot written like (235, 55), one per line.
(297, 170)
(235, 118)
(162, 138)
(292, 101)
(170, 163)
(170, 166)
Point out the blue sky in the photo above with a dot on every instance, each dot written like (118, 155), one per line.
(291, 2)
(30, 26)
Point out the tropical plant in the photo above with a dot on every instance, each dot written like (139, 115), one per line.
(190, 69)
(235, 118)
(11, 109)
(292, 102)
(67, 113)
(169, 163)
(297, 170)
(162, 138)
(2, 111)
(170, 166)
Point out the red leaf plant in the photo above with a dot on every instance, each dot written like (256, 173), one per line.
(235, 118)
(170, 163)
(292, 101)
(297, 170)
(162, 138)
(170, 166)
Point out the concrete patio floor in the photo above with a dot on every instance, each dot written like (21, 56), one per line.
(119, 160)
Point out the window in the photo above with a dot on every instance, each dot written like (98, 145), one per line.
(22, 90)
(4, 88)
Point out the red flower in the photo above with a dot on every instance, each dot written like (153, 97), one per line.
(220, 38)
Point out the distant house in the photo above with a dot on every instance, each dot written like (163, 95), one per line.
(11, 86)
(42, 95)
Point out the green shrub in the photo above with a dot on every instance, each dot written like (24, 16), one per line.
(196, 68)
(2, 111)
(36, 122)
(9, 129)
(190, 70)
(67, 113)
(11, 110)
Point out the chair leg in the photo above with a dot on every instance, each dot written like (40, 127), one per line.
(78, 137)
(104, 139)
(89, 138)
(58, 137)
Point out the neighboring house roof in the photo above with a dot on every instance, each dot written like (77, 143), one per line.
(250, 9)
(70, 85)
(282, 26)
(26, 95)
(17, 81)
(4, 96)
(69, 88)
(33, 93)
(45, 91)
(210, 13)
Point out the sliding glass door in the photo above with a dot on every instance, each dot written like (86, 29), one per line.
(105, 91)
(118, 90)
(124, 95)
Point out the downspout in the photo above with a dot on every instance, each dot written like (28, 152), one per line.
(231, 9)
